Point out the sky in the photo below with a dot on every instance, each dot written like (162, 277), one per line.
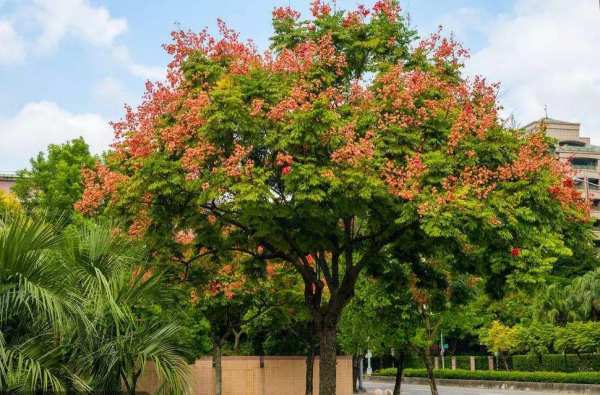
(68, 66)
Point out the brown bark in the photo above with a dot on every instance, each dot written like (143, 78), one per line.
(236, 341)
(327, 361)
(217, 354)
(399, 371)
(429, 366)
(504, 357)
(355, 361)
(360, 373)
(310, 363)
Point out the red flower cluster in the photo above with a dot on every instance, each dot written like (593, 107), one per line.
(237, 163)
(98, 183)
(285, 13)
(194, 158)
(355, 151)
(185, 237)
(319, 8)
(404, 182)
(388, 8)
(283, 159)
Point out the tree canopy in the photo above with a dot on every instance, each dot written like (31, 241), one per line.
(53, 184)
(348, 137)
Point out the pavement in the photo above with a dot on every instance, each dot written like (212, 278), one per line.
(412, 389)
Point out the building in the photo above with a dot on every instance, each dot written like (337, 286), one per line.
(7, 180)
(582, 155)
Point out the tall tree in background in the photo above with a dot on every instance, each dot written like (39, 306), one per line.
(348, 137)
(53, 183)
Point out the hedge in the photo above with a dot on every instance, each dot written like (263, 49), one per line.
(502, 375)
(557, 362)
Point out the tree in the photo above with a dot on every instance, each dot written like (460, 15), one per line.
(286, 327)
(232, 298)
(70, 305)
(8, 203)
(115, 288)
(536, 338)
(35, 308)
(501, 339)
(381, 318)
(347, 138)
(578, 337)
(361, 326)
(53, 184)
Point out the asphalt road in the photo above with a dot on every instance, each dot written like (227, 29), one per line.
(411, 389)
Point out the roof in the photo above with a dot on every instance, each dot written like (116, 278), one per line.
(584, 148)
(552, 121)
(6, 175)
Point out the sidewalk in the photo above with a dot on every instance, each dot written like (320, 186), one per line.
(451, 385)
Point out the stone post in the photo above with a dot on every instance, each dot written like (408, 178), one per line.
(472, 363)
(453, 362)
(369, 369)
(491, 362)
(436, 362)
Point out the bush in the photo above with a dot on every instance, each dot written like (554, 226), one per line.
(557, 362)
(500, 375)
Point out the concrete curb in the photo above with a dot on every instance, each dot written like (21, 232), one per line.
(565, 388)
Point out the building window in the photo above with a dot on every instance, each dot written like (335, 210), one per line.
(584, 163)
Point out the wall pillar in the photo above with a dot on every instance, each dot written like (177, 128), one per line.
(472, 363)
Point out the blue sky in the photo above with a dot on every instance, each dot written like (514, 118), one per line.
(67, 66)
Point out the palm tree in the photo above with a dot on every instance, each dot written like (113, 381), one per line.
(115, 284)
(37, 307)
(70, 304)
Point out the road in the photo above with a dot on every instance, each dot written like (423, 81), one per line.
(411, 389)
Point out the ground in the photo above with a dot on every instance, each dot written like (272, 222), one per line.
(411, 389)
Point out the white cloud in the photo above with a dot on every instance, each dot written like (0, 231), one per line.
(123, 56)
(78, 18)
(54, 21)
(39, 124)
(12, 46)
(109, 90)
(546, 52)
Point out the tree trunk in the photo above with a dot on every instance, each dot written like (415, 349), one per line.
(310, 363)
(361, 388)
(355, 359)
(399, 372)
(218, 368)
(236, 343)
(327, 361)
(429, 367)
(504, 357)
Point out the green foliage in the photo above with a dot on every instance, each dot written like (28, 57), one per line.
(557, 362)
(537, 338)
(499, 375)
(71, 311)
(579, 337)
(53, 184)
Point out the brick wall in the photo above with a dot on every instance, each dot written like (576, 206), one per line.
(244, 376)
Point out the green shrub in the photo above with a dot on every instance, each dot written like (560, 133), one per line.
(557, 362)
(501, 375)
